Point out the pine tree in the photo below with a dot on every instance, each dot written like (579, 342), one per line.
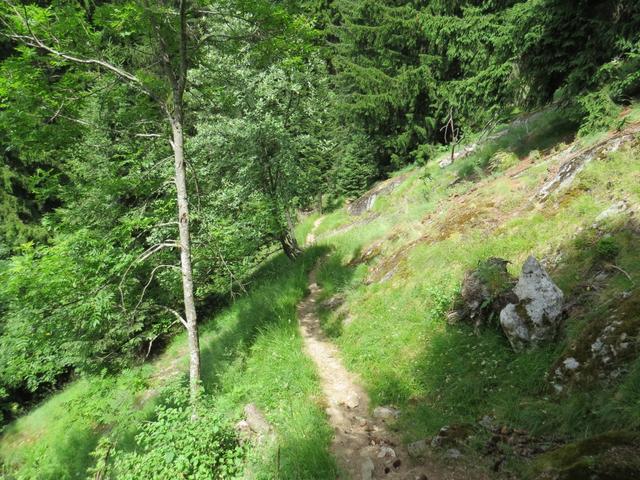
(382, 76)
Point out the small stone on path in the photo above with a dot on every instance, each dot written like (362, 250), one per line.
(453, 453)
(386, 413)
(367, 468)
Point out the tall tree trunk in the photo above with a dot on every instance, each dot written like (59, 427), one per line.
(185, 254)
(176, 76)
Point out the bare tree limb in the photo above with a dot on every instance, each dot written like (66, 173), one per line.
(175, 314)
(142, 257)
(615, 267)
(151, 276)
(33, 40)
(156, 337)
(148, 135)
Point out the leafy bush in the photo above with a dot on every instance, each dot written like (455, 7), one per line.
(178, 444)
(468, 169)
(502, 161)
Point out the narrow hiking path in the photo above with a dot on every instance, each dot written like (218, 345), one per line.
(311, 236)
(363, 445)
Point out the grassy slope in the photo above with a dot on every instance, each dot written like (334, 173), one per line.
(250, 353)
(428, 234)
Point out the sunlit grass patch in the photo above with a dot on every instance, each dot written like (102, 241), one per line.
(251, 352)
(397, 338)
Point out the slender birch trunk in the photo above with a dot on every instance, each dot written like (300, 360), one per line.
(176, 76)
(185, 255)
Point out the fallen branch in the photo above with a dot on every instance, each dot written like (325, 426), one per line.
(615, 267)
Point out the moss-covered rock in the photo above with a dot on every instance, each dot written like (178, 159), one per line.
(611, 456)
(604, 349)
(485, 292)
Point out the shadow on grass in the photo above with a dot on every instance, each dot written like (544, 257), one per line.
(334, 277)
(265, 305)
(252, 353)
(463, 376)
(544, 131)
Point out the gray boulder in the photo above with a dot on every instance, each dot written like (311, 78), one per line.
(534, 319)
(386, 413)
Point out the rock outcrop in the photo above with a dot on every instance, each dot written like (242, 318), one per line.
(255, 426)
(576, 163)
(365, 202)
(613, 455)
(604, 350)
(535, 317)
(462, 153)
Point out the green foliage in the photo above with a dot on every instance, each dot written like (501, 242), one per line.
(56, 439)
(402, 68)
(607, 248)
(398, 339)
(182, 442)
(86, 178)
(251, 352)
(601, 112)
(86, 190)
(503, 161)
(468, 169)
(355, 169)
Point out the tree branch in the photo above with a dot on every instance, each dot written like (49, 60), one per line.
(142, 257)
(33, 40)
(176, 314)
(151, 276)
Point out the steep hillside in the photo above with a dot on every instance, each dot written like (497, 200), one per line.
(397, 266)
(389, 269)
(251, 353)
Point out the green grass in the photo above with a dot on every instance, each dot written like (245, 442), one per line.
(398, 340)
(305, 226)
(250, 353)
(427, 233)
(540, 133)
(56, 439)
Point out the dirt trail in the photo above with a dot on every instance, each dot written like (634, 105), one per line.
(363, 446)
(311, 236)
